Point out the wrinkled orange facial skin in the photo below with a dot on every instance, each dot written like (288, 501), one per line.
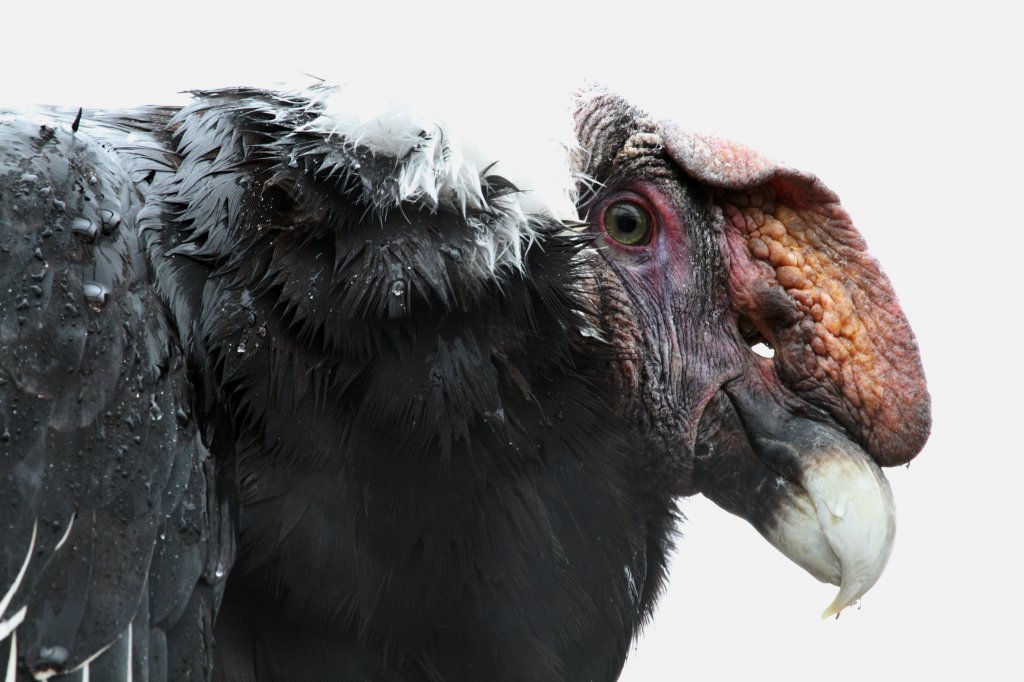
(838, 329)
(813, 281)
(800, 272)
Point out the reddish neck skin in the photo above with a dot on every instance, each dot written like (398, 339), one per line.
(674, 282)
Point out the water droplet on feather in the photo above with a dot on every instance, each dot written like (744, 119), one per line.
(52, 656)
(84, 228)
(111, 219)
(155, 413)
(96, 295)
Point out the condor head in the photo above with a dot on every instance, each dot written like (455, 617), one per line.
(708, 251)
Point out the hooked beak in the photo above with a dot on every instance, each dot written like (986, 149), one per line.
(812, 492)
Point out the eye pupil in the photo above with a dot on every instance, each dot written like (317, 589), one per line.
(627, 223)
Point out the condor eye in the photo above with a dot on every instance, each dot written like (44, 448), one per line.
(627, 223)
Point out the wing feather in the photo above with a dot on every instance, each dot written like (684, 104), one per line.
(110, 513)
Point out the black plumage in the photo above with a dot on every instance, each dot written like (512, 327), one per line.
(268, 416)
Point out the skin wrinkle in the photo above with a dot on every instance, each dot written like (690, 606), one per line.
(681, 278)
(807, 263)
(796, 269)
(843, 347)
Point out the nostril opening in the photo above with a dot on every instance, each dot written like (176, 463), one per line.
(755, 340)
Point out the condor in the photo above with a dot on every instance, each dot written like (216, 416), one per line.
(299, 386)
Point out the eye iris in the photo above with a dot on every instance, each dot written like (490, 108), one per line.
(627, 223)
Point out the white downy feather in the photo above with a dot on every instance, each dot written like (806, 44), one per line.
(444, 141)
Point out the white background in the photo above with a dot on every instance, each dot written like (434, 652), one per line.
(912, 113)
